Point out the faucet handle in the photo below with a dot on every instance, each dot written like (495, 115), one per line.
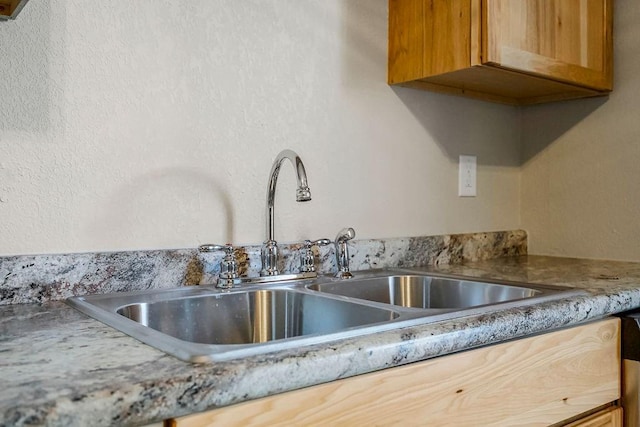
(209, 247)
(307, 264)
(319, 242)
(228, 265)
(345, 235)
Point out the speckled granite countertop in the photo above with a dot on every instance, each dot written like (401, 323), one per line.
(60, 367)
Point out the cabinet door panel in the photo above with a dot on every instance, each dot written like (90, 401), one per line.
(569, 40)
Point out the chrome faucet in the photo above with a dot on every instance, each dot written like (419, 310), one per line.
(342, 252)
(269, 253)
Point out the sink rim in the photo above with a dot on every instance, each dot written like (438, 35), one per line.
(109, 304)
(285, 311)
(103, 307)
(414, 271)
(546, 291)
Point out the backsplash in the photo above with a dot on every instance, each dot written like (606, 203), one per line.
(42, 278)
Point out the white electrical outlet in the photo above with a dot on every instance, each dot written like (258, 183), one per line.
(467, 176)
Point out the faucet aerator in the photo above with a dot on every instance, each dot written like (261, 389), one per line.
(303, 195)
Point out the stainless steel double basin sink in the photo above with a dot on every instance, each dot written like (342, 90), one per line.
(205, 324)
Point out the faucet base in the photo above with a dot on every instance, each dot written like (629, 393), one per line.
(229, 283)
(269, 257)
(344, 275)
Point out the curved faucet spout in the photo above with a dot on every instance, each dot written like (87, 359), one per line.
(303, 194)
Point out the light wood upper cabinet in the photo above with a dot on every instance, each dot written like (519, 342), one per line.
(512, 51)
(9, 9)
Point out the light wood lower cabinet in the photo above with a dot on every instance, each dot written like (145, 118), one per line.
(535, 381)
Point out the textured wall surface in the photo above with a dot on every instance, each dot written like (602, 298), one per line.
(153, 124)
(580, 176)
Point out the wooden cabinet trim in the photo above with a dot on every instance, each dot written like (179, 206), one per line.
(501, 85)
(541, 66)
(564, 40)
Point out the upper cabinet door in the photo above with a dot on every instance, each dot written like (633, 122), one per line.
(568, 40)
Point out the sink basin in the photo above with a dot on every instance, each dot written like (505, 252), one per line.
(205, 324)
(202, 324)
(250, 317)
(421, 291)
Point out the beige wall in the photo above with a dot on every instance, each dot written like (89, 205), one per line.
(581, 169)
(153, 124)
